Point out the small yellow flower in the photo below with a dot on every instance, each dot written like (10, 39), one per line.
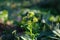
(29, 22)
(35, 19)
(52, 18)
(30, 14)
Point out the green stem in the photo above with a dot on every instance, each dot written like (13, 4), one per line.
(17, 38)
(31, 33)
(44, 28)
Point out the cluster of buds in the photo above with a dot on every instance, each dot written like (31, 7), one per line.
(30, 14)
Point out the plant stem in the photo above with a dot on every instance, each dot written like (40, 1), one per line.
(44, 28)
(18, 38)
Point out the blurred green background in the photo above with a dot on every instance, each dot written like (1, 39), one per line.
(31, 19)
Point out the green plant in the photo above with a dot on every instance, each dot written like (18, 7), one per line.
(30, 23)
(4, 15)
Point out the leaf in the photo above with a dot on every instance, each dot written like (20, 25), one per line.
(14, 32)
(57, 32)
